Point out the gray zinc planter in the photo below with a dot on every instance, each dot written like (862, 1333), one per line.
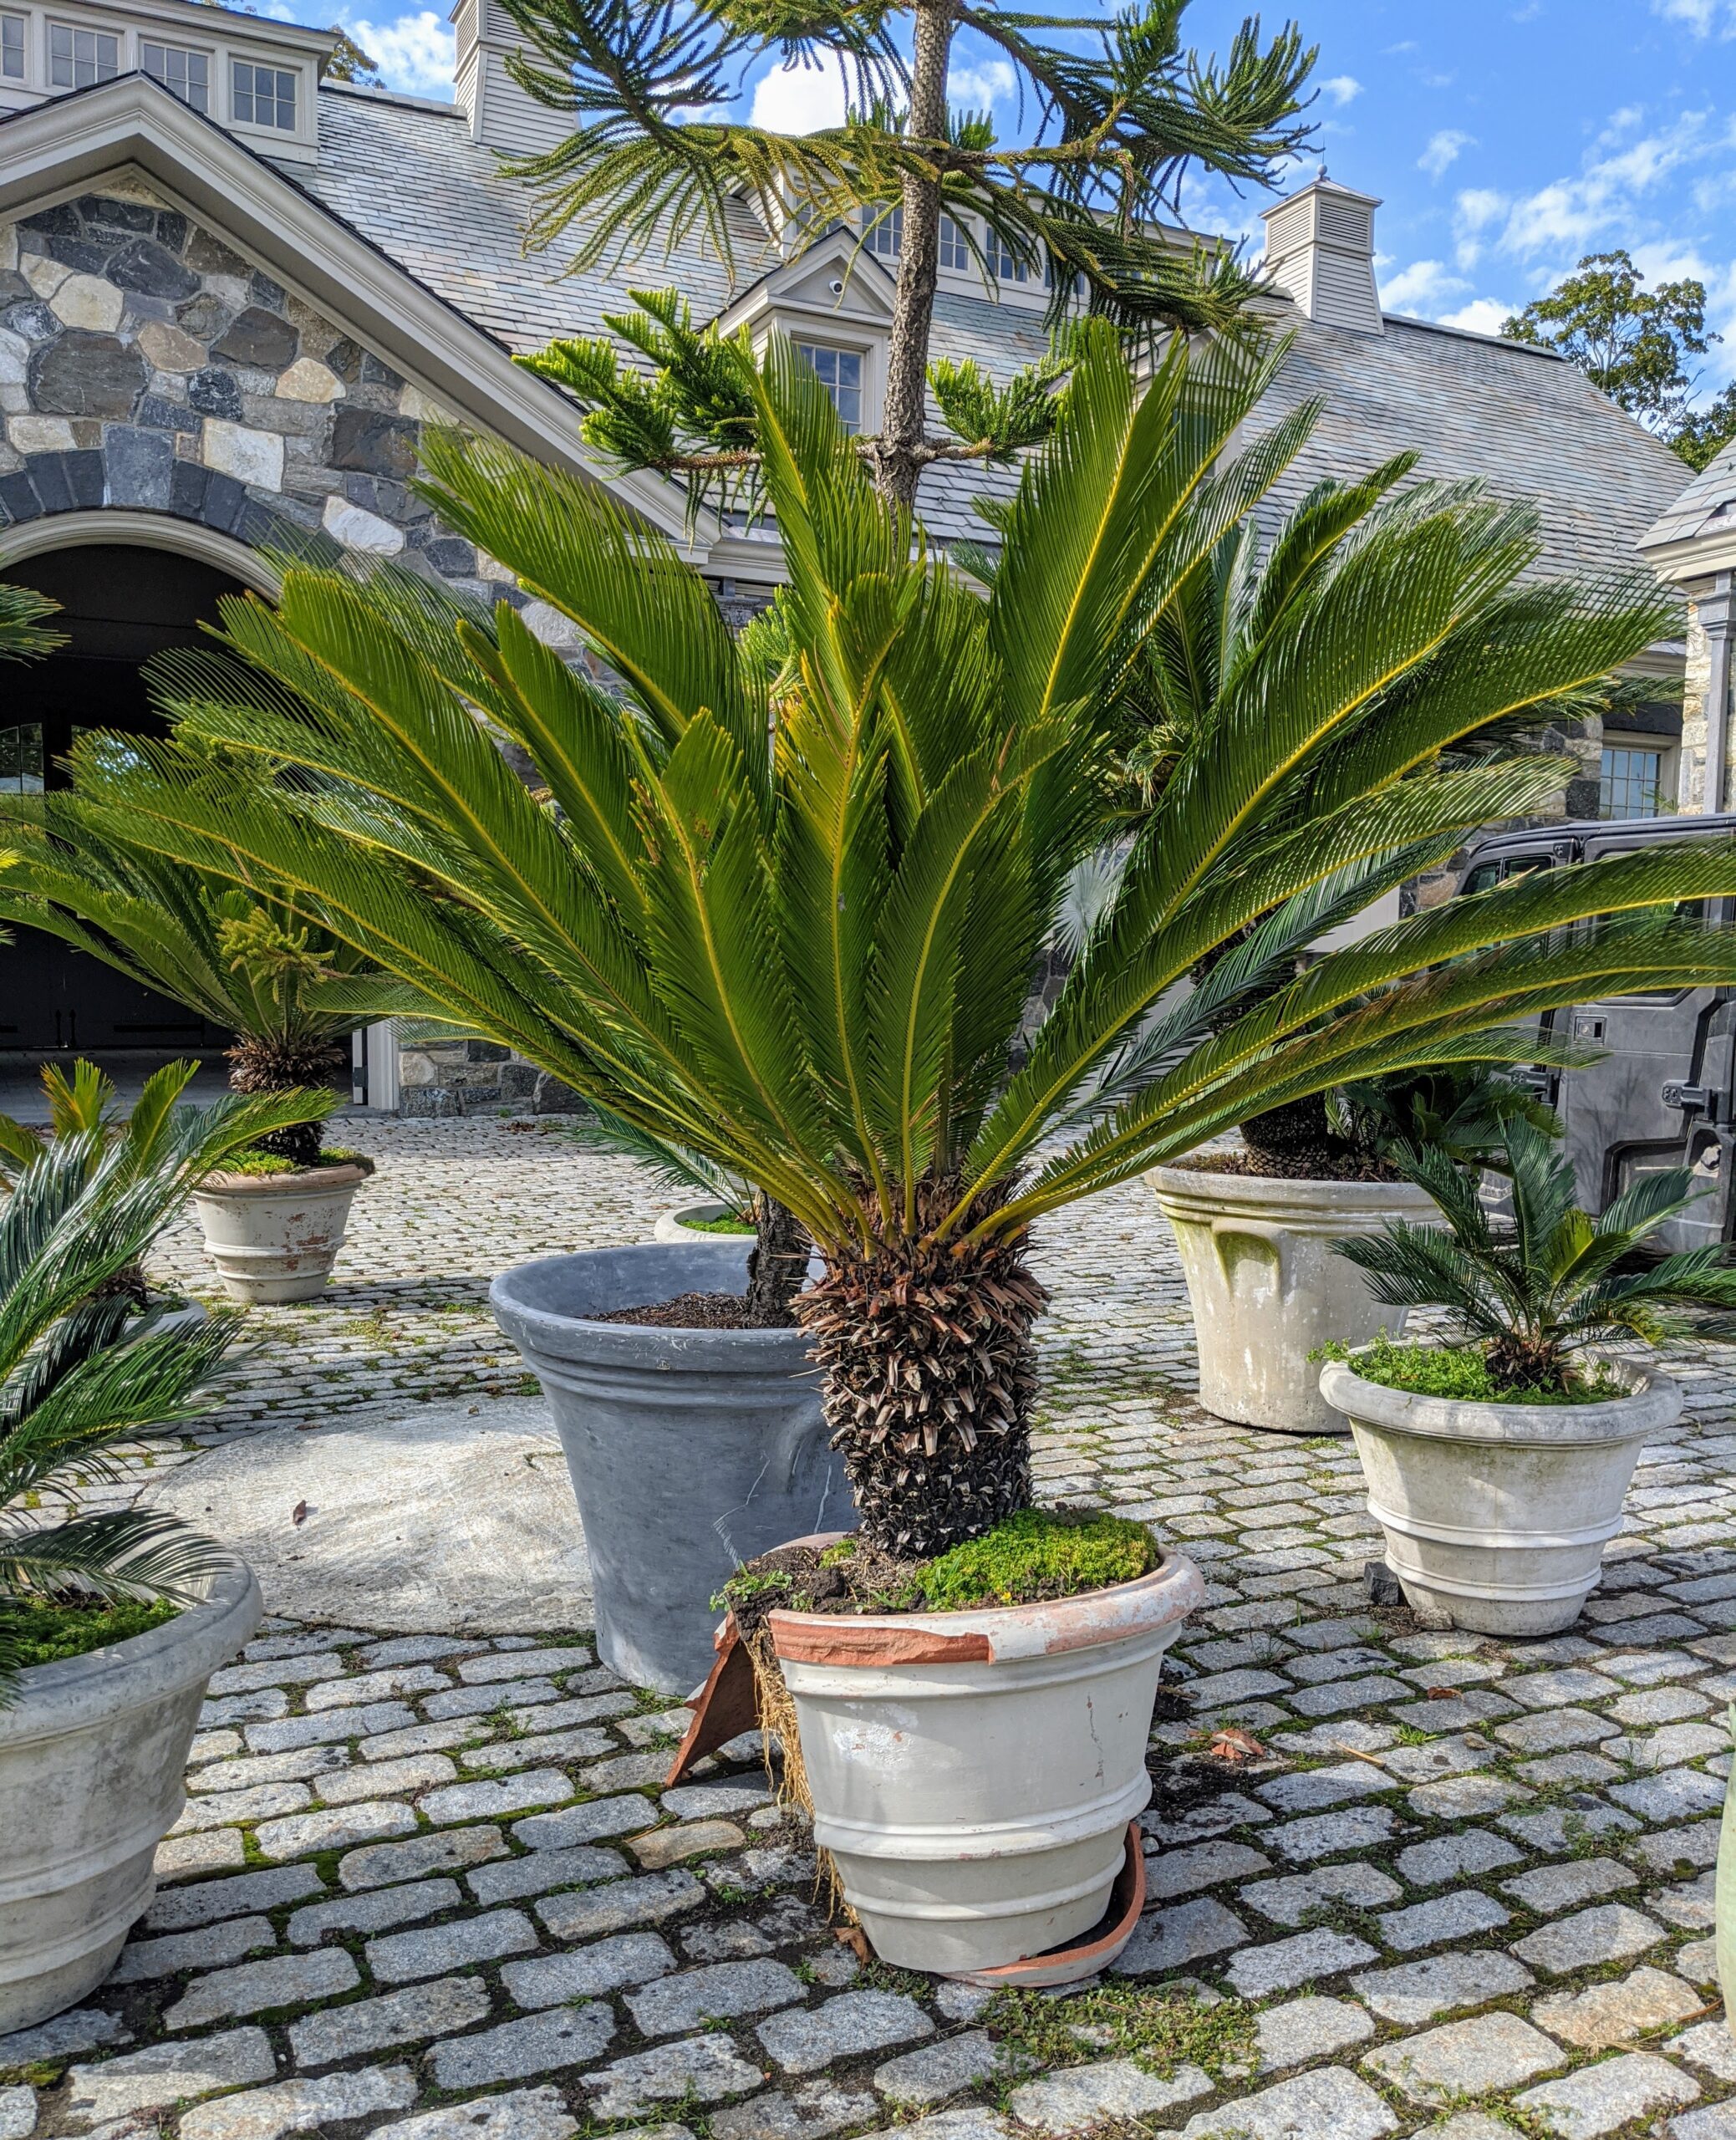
(92, 1761)
(691, 1450)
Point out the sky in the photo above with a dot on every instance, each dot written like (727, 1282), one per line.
(1505, 138)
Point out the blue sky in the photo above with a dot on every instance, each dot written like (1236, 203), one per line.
(1504, 137)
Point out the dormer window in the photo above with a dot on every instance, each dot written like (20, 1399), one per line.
(954, 246)
(839, 371)
(1003, 265)
(183, 73)
(11, 47)
(884, 231)
(262, 96)
(78, 60)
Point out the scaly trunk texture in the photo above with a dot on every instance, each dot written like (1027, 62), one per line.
(904, 424)
(777, 1266)
(1298, 1127)
(1520, 1363)
(277, 1065)
(929, 1378)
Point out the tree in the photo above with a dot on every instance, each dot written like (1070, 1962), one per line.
(1121, 112)
(1628, 340)
(1703, 434)
(784, 896)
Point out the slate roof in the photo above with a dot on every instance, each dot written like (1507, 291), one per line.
(408, 176)
(1708, 507)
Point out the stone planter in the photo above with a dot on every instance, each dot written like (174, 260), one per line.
(275, 1237)
(1496, 1515)
(675, 1226)
(691, 1450)
(92, 1759)
(973, 1774)
(1267, 1290)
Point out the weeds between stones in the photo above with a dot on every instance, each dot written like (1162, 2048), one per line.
(1160, 2028)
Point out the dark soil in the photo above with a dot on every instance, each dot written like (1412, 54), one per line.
(860, 1583)
(1321, 1163)
(686, 1311)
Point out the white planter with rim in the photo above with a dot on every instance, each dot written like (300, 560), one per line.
(275, 1237)
(92, 1760)
(973, 1774)
(1496, 1515)
(677, 1226)
(1266, 1288)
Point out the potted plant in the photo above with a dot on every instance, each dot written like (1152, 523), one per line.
(111, 1620)
(1256, 1229)
(1497, 1463)
(786, 914)
(274, 1220)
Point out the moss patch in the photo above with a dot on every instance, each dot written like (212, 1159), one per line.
(1160, 2028)
(1032, 1556)
(49, 1634)
(261, 1165)
(728, 1224)
(1463, 1374)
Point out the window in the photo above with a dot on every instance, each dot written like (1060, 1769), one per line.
(21, 756)
(884, 231)
(1632, 783)
(76, 59)
(954, 246)
(840, 373)
(262, 96)
(1002, 264)
(185, 74)
(11, 47)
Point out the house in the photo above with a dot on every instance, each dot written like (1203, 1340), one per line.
(233, 290)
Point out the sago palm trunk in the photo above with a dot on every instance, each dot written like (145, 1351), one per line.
(276, 1064)
(930, 1379)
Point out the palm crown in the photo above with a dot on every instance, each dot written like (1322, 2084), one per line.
(783, 899)
(1534, 1292)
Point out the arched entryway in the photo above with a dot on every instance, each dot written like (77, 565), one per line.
(120, 603)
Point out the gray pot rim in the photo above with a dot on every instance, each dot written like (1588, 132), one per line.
(317, 1180)
(79, 1691)
(1284, 1195)
(618, 1344)
(1654, 1400)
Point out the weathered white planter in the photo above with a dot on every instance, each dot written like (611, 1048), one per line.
(676, 1226)
(1267, 1290)
(1496, 1515)
(92, 1759)
(973, 1774)
(275, 1237)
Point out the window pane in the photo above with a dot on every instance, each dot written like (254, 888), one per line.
(77, 59)
(184, 74)
(12, 47)
(21, 760)
(264, 96)
(839, 371)
(1631, 782)
(955, 252)
(1001, 263)
(884, 231)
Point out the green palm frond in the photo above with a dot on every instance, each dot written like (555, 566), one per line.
(24, 631)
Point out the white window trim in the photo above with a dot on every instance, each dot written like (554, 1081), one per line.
(1667, 748)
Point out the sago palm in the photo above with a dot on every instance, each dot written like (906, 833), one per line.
(1532, 1292)
(237, 957)
(81, 1369)
(785, 912)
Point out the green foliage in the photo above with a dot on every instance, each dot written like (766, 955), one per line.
(1033, 1554)
(728, 1223)
(1533, 1293)
(1703, 434)
(49, 1633)
(1628, 340)
(1460, 1109)
(1462, 1373)
(23, 634)
(82, 1369)
(785, 918)
(1159, 2027)
(261, 1165)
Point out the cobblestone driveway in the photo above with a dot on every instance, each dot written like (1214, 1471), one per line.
(428, 1885)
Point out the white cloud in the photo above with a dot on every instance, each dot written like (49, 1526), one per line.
(1701, 16)
(797, 99)
(1603, 204)
(975, 84)
(1342, 88)
(1443, 151)
(1481, 316)
(1421, 287)
(414, 52)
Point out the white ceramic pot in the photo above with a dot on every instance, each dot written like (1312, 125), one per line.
(973, 1774)
(1267, 1290)
(677, 1225)
(1496, 1515)
(275, 1237)
(92, 1756)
